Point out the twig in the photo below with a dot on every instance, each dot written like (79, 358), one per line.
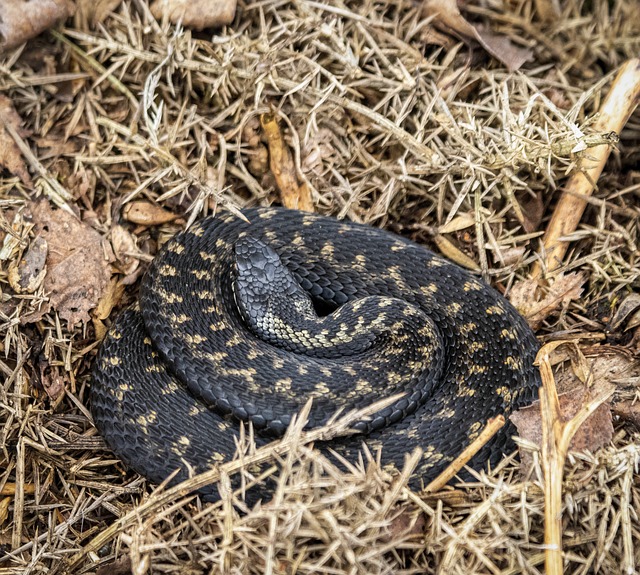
(619, 104)
(492, 427)
(50, 185)
(335, 427)
(95, 65)
(556, 440)
(10, 489)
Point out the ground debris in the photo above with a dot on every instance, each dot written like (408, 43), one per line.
(390, 122)
(78, 271)
(19, 24)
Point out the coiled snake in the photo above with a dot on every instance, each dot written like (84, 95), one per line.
(246, 321)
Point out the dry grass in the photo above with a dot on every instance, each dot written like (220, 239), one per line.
(384, 130)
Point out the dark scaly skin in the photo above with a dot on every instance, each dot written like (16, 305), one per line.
(459, 350)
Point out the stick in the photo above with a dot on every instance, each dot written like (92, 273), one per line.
(556, 440)
(619, 104)
(492, 427)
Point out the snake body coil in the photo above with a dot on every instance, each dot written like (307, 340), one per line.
(246, 321)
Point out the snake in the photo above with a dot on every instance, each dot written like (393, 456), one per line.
(240, 321)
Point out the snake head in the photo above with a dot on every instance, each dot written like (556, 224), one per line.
(265, 290)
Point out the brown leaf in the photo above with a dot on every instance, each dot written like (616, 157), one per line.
(282, 166)
(526, 297)
(447, 18)
(124, 245)
(10, 156)
(27, 273)
(459, 222)
(147, 214)
(450, 251)
(407, 524)
(594, 433)
(20, 20)
(51, 379)
(77, 270)
(120, 566)
(627, 315)
(196, 14)
(94, 12)
(629, 410)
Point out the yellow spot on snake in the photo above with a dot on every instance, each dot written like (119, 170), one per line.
(322, 388)
(201, 274)
(197, 409)
(204, 294)
(216, 458)
(468, 328)
(283, 385)
(445, 413)
(145, 420)
(513, 363)
(429, 289)
(495, 310)
(196, 339)
(466, 392)
(477, 369)
(253, 354)
(267, 214)
(155, 368)
(508, 333)
(167, 270)
(327, 250)
(360, 260)
(234, 340)
(454, 308)
(475, 346)
(179, 319)
(170, 388)
(208, 257)
(169, 298)
(472, 286)
(176, 248)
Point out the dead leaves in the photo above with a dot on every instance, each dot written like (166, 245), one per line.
(447, 18)
(26, 274)
(196, 14)
(77, 270)
(10, 156)
(94, 12)
(20, 20)
(594, 433)
(536, 306)
(293, 195)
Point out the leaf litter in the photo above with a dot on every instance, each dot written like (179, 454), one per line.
(387, 131)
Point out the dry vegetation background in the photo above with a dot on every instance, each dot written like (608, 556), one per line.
(390, 122)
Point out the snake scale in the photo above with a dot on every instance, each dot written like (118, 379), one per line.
(246, 320)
